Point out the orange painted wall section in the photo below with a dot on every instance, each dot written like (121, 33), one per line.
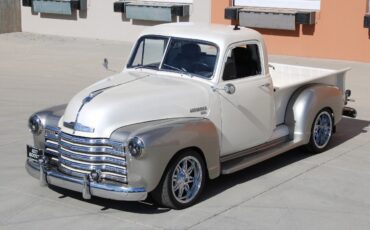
(338, 33)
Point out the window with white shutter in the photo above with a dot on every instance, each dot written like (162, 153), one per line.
(295, 4)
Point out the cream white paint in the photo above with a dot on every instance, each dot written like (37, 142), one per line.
(288, 78)
(244, 119)
(101, 22)
(297, 4)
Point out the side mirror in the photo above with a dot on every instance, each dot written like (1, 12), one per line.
(230, 88)
(105, 63)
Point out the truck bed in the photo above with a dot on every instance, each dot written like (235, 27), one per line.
(288, 78)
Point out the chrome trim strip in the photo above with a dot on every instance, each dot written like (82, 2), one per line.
(85, 149)
(95, 150)
(258, 148)
(51, 136)
(51, 145)
(50, 152)
(89, 141)
(92, 159)
(52, 128)
(90, 167)
(109, 191)
(104, 175)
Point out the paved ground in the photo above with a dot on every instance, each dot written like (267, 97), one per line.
(292, 191)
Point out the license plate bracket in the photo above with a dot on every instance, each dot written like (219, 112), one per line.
(34, 154)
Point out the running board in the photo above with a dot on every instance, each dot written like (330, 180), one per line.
(248, 157)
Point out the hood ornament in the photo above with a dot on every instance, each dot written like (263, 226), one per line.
(78, 127)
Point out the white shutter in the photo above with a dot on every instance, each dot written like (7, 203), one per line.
(175, 1)
(298, 4)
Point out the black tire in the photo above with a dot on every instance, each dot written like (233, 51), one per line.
(321, 137)
(163, 195)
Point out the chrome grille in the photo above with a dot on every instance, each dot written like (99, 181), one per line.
(79, 156)
(52, 144)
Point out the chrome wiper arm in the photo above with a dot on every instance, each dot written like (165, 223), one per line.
(182, 70)
(151, 66)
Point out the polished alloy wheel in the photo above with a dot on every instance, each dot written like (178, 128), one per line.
(186, 179)
(322, 130)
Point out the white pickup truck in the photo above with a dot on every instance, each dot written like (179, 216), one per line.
(193, 102)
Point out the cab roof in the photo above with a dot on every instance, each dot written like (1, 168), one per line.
(222, 35)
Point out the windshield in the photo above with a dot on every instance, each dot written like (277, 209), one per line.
(185, 56)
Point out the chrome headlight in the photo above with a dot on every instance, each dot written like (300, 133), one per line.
(35, 125)
(136, 147)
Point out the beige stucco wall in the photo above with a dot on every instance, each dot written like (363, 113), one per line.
(10, 16)
(339, 32)
(99, 21)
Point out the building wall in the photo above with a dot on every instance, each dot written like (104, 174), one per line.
(10, 16)
(338, 34)
(99, 21)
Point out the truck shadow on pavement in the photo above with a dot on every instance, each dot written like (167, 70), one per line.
(346, 130)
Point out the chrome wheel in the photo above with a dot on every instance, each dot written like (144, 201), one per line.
(322, 130)
(186, 179)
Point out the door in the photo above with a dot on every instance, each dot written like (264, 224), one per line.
(246, 98)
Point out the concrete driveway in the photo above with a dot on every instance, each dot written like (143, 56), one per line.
(295, 190)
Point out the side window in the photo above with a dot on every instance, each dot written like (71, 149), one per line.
(242, 61)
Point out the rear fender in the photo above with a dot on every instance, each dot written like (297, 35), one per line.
(305, 104)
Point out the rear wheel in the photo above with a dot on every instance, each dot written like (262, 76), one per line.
(321, 131)
(183, 181)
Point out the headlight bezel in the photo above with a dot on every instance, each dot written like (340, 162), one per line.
(35, 125)
(136, 147)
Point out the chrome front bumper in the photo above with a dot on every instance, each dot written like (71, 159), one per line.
(86, 187)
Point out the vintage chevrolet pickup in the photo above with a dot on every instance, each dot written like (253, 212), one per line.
(194, 102)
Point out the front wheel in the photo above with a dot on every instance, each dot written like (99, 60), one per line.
(321, 131)
(183, 181)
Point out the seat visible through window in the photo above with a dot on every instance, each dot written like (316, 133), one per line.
(243, 62)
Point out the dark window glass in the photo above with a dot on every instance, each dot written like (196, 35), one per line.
(242, 61)
(192, 57)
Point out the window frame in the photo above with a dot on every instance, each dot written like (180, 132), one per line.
(241, 43)
(137, 46)
(169, 40)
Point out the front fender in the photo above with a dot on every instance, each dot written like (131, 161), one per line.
(163, 139)
(305, 104)
(49, 117)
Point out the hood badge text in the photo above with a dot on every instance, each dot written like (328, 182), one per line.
(202, 110)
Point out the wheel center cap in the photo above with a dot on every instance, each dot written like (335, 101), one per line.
(181, 177)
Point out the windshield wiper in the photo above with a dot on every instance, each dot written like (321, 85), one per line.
(182, 70)
(150, 66)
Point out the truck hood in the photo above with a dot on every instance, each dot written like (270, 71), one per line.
(130, 98)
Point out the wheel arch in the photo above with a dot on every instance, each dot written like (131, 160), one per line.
(304, 105)
(193, 148)
(163, 141)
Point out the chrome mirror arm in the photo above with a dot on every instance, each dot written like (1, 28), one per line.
(228, 88)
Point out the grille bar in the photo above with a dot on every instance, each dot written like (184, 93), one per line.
(88, 141)
(89, 149)
(89, 167)
(92, 158)
(51, 142)
(104, 175)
